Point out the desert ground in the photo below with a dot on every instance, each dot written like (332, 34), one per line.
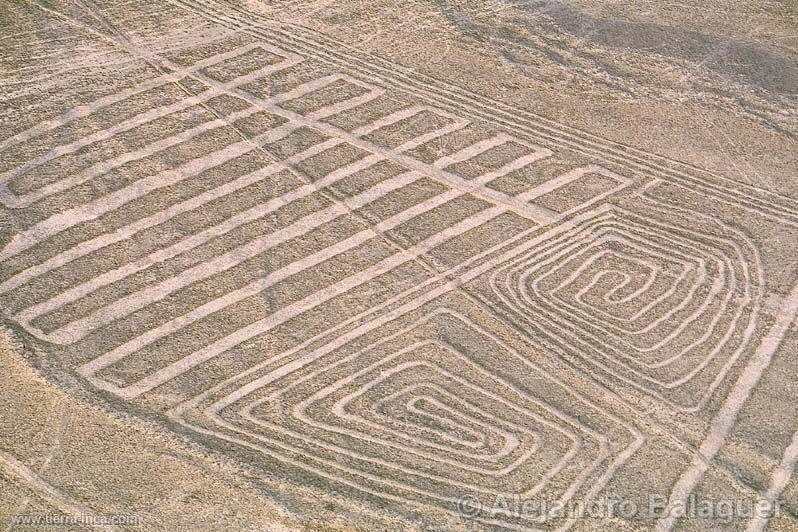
(436, 265)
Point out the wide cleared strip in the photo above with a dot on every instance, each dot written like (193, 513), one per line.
(11, 200)
(524, 242)
(779, 480)
(472, 151)
(723, 422)
(126, 125)
(141, 341)
(87, 247)
(390, 119)
(129, 124)
(320, 83)
(104, 167)
(261, 326)
(557, 133)
(42, 231)
(128, 231)
(129, 304)
(92, 107)
(507, 168)
(457, 124)
(260, 284)
(329, 110)
(512, 166)
(537, 214)
(225, 301)
(397, 116)
(254, 213)
(93, 210)
(570, 177)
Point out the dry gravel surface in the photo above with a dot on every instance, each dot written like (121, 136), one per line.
(435, 265)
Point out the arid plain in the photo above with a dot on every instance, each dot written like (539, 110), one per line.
(375, 265)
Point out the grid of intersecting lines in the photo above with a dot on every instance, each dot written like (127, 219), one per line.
(259, 195)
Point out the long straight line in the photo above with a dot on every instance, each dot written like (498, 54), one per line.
(779, 479)
(24, 474)
(96, 105)
(451, 96)
(77, 329)
(295, 309)
(724, 421)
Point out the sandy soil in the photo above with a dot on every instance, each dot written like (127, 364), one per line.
(443, 265)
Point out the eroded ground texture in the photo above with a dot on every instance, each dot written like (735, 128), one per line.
(378, 265)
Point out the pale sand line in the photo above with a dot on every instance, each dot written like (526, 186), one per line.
(748, 333)
(252, 288)
(591, 237)
(28, 238)
(717, 286)
(456, 418)
(411, 405)
(329, 110)
(397, 116)
(459, 464)
(653, 271)
(778, 481)
(570, 177)
(17, 470)
(277, 133)
(565, 420)
(86, 247)
(284, 451)
(635, 241)
(409, 112)
(299, 411)
(143, 297)
(512, 442)
(131, 123)
(77, 329)
(123, 233)
(82, 249)
(457, 124)
(472, 151)
(472, 440)
(461, 271)
(90, 211)
(92, 107)
(346, 105)
(517, 164)
(533, 212)
(389, 119)
(92, 367)
(453, 418)
(76, 292)
(220, 346)
(12, 200)
(425, 87)
(322, 82)
(43, 230)
(724, 421)
(102, 168)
